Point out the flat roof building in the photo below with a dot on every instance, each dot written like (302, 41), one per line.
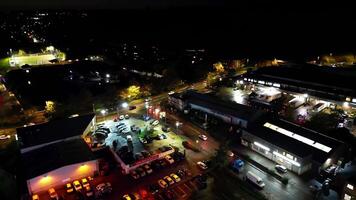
(229, 112)
(291, 145)
(55, 153)
(324, 82)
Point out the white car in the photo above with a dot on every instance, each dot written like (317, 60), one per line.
(129, 138)
(127, 116)
(203, 137)
(171, 92)
(281, 168)
(121, 117)
(155, 123)
(202, 165)
(4, 137)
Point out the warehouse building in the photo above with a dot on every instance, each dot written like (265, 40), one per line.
(293, 146)
(55, 153)
(229, 112)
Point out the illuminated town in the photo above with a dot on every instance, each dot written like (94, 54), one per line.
(114, 102)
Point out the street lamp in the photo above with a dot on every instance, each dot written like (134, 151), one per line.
(103, 111)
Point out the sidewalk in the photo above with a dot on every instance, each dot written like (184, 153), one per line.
(294, 179)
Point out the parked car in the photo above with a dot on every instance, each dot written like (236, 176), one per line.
(126, 197)
(142, 140)
(166, 128)
(153, 188)
(77, 185)
(85, 182)
(162, 184)
(147, 169)
(175, 177)
(202, 165)
(154, 123)
(53, 194)
(281, 168)
(121, 117)
(35, 197)
(4, 137)
(169, 159)
(181, 173)
(129, 138)
(69, 188)
(256, 180)
(169, 180)
(203, 137)
(127, 116)
(162, 136)
(88, 191)
(141, 172)
(104, 188)
(134, 174)
(146, 154)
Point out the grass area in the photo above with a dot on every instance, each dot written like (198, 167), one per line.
(4, 65)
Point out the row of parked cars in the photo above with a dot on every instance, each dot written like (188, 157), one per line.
(78, 186)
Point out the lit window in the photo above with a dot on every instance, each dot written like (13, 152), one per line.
(286, 159)
(261, 146)
(351, 187)
(347, 197)
(290, 156)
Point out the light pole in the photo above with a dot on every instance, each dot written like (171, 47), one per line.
(103, 112)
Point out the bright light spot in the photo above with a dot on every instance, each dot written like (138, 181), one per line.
(27, 71)
(238, 96)
(125, 105)
(83, 168)
(29, 82)
(107, 75)
(305, 95)
(346, 104)
(103, 111)
(261, 146)
(177, 124)
(45, 180)
(157, 110)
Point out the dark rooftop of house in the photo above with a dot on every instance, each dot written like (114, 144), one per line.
(51, 157)
(292, 145)
(53, 130)
(227, 107)
(310, 76)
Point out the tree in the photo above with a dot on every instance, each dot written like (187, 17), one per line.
(211, 78)
(50, 107)
(219, 68)
(132, 92)
(220, 158)
(322, 122)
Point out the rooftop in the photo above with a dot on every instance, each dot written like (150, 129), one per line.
(51, 157)
(328, 78)
(53, 130)
(297, 140)
(226, 107)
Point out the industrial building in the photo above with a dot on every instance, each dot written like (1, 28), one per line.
(55, 153)
(293, 146)
(229, 112)
(324, 82)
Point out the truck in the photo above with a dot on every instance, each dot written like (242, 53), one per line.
(256, 180)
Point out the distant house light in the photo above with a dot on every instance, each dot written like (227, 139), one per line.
(298, 137)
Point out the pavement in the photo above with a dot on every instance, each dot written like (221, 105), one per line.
(297, 187)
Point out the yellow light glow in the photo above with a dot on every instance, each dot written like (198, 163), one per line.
(45, 180)
(83, 168)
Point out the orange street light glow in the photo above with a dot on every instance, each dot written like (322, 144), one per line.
(45, 180)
